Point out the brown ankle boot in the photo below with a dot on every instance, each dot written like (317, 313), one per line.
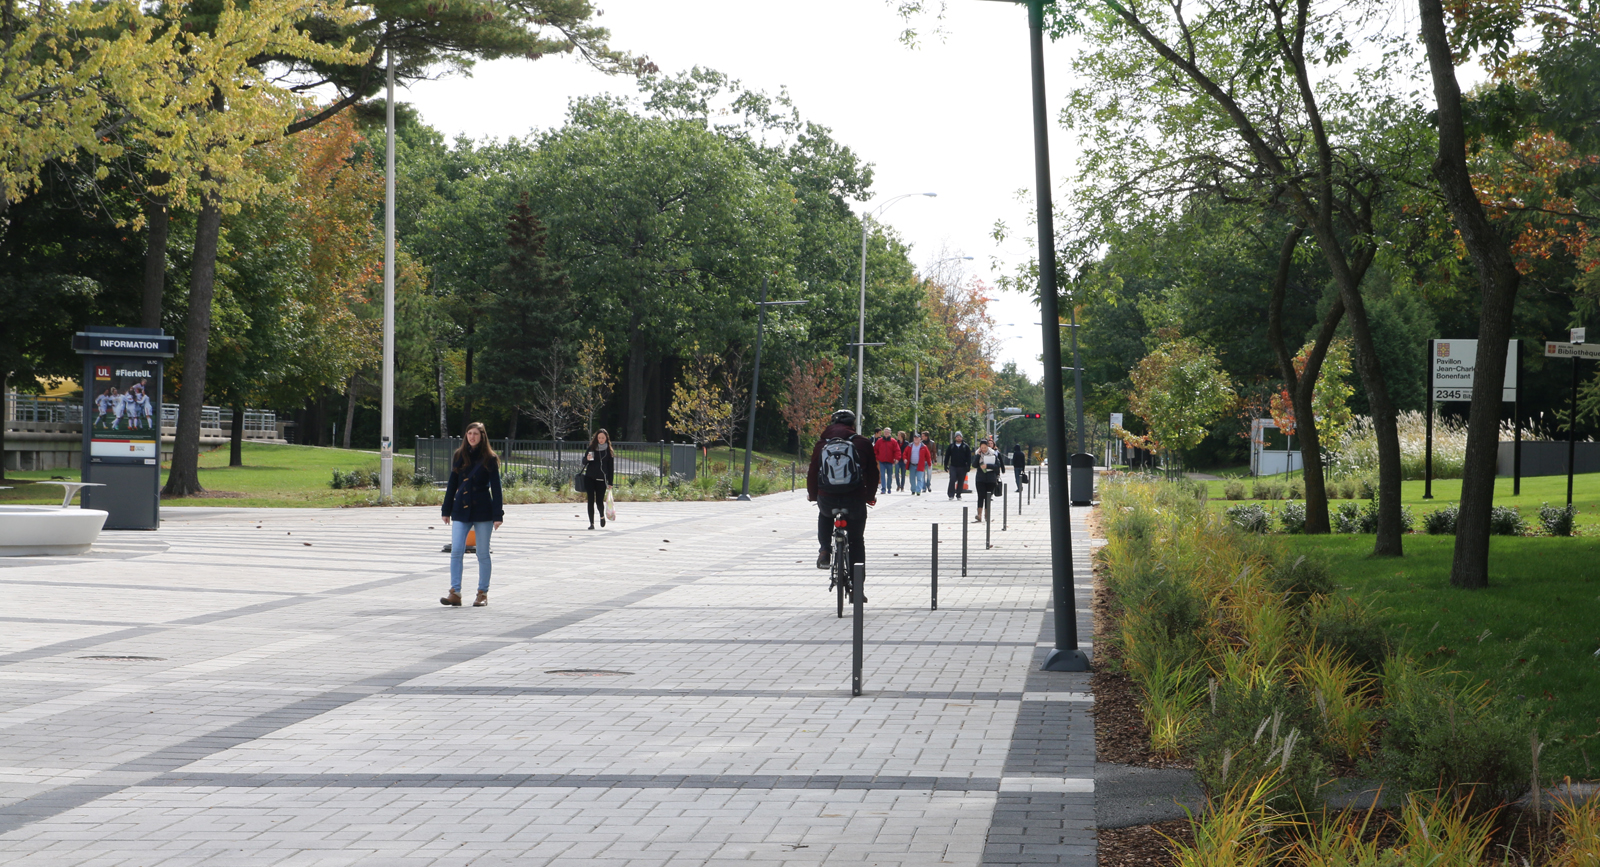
(482, 600)
(453, 599)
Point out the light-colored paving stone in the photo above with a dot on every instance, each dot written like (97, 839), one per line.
(281, 687)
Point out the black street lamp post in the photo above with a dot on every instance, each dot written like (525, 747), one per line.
(1066, 656)
(755, 384)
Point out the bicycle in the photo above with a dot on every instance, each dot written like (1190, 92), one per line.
(839, 572)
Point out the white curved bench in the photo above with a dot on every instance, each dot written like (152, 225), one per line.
(35, 530)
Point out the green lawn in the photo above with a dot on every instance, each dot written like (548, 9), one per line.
(298, 476)
(272, 475)
(1534, 632)
(1535, 491)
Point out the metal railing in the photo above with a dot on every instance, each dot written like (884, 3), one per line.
(38, 409)
(559, 459)
(33, 409)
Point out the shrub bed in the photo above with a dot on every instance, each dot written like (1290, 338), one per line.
(1252, 663)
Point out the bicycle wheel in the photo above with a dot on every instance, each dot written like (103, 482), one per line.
(841, 567)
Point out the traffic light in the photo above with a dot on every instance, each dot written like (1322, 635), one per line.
(1032, 415)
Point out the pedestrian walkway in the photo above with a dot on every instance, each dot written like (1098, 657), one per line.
(252, 686)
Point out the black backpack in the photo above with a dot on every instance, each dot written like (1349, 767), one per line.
(840, 468)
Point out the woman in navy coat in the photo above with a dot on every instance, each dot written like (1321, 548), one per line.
(472, 502)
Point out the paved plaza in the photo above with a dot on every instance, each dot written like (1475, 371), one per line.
(279, 686)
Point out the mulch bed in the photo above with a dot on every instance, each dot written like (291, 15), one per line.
(1121, 736)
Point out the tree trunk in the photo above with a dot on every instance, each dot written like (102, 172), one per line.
(636, 385)
(156, 218)
(1498, 282)
(516, 412)
(438, 372)
(236, 435)
(349, 407)
(466, 385)
(1302, 389)
(184, 477)
(1347, 275)
(5, 383)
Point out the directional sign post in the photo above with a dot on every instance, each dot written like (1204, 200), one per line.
(1452, 365)
(1574, 351)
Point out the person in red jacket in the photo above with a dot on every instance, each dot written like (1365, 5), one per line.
(887, 450)
(919, 457)
(856, 500)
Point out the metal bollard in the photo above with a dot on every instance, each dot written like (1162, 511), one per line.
(964, 541)
(1005, 507)
(856, 629)
(988, 526)
(791, 478)
(935, 605)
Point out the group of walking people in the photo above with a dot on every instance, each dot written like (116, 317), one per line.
(901, 458)
(473, 503)
(984, 465)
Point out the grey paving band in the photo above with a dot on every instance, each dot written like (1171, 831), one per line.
(60, 800)
(693, 692)
(758, 782)
(1049, 739)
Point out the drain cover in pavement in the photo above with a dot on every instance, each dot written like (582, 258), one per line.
(127, 658)
(589, 672)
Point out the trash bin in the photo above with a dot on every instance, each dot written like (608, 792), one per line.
(1082, 480)
(684, 459)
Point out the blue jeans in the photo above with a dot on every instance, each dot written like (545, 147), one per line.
(899, 476)
(919, 480)
(458, 550)
(885, 476)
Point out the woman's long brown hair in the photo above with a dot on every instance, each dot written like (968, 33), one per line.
(466, 456)
(595, 440)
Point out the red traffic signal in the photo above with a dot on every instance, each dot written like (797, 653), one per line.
(1032, 415)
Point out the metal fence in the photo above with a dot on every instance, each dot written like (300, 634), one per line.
(38, 409)
(560, 459)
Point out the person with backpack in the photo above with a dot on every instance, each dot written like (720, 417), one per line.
(472, 501)
(957, 461)
(843, 475)
(887, 450)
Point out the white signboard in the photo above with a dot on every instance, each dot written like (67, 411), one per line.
(1116, 421)
(1571, 350)
(1453, 363)
(1578, 335)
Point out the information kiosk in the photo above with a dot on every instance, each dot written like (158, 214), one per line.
(122, 422)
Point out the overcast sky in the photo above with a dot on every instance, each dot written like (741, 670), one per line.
(950, 117)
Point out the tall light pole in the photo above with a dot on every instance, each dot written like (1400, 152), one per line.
(386, 423)
(1066, 656)
(755, 384)
(861, 322)
(1077, 371)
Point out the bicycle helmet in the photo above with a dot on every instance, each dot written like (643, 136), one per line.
(844, 416)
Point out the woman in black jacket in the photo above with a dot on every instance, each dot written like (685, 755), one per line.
(472, 502)
(1019, 464)
(988, 464)
(599, 468)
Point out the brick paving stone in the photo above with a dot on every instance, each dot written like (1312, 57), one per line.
(219, 693)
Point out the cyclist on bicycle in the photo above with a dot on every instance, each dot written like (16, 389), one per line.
(842, 486)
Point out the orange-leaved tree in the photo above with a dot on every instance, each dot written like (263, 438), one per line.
(809, 390)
